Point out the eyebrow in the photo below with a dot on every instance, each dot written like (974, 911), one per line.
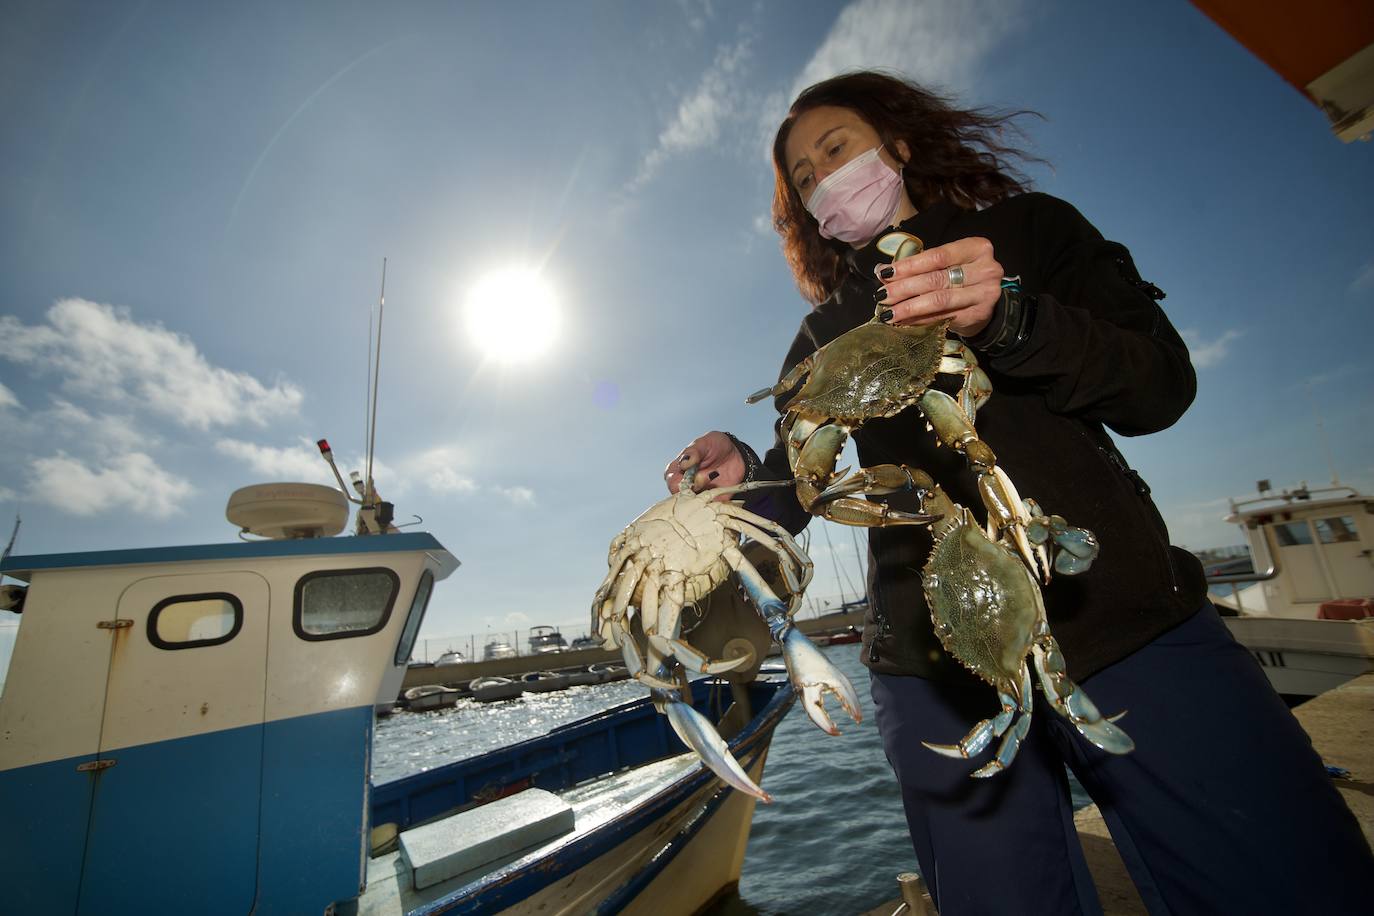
(817, 145)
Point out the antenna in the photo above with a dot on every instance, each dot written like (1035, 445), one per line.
(1321, 434)
(376, 375)
(13, 534)
(367, 386)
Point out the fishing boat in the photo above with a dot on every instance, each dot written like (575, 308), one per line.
(188, 730)
(1306, 612)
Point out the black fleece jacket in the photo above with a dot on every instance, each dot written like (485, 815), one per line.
(1100, 353)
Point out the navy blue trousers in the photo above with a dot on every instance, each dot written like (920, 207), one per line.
(1223, 807)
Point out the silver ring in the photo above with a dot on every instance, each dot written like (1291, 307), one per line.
(956, 277)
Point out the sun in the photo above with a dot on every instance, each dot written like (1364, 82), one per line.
(512, 315)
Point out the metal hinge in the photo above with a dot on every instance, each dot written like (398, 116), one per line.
(118, 623)
(95, 765)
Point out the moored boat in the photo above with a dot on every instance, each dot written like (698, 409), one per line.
(210, 708)
(1305, 610)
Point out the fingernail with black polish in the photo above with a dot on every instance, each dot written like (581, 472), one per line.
(713, 475)
(886, 273)
(880, 295)
(885, 315)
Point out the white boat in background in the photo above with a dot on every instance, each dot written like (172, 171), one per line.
(1307, 610)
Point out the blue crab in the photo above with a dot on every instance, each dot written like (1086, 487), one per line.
(980, 583)
(672, 556)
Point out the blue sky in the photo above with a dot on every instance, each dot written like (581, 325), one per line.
(196, 201)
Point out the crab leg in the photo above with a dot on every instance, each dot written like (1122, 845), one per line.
(786, 383)
(696, 732)
(663, 635)
(981, 735)
(812, 673)
(1069, 700)
(976, 388)
(620, 602)
(789, 555)
(815, 465)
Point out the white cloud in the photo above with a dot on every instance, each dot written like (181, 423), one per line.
(698, 14)
(1207, 353)
(102, 352)
(437, 469)
(442, 470)
(1364, 280)
(301, 462)
(520, 496)
(938, 43)
(106, 433)
(941, 44)
(8, 399)
(718, 99)
(130, 481)
(6, 494)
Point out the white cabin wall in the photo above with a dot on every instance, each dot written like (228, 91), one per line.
(55, 689)
(156, 694)
(305, 677)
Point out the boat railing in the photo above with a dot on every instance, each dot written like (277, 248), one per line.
(1300, 494)
(1269, 572)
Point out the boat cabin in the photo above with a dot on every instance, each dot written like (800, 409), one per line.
(153, 692)
(1319, 548)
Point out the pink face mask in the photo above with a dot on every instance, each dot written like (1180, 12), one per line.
(856, 202)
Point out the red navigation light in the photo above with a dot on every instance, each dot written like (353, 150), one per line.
(324, 446)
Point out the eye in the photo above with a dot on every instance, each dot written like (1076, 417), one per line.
(835, 149)
(804, 182)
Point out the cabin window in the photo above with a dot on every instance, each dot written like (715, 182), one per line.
(337, 604)
(417, 614)
(1291, 534)
(188, 621)
(1337, 530)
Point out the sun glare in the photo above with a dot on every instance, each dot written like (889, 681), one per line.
(512, 315)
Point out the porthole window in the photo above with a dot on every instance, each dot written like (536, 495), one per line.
(343, 603)
(417, 614)
(188, 621)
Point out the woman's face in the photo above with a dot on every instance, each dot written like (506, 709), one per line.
(825, 138)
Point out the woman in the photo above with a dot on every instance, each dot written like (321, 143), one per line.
(1223, 784)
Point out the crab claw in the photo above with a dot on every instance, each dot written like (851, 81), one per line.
(878, 480)
(814, 677)
(696, 732)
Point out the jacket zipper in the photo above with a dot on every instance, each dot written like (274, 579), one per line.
(1143, 490)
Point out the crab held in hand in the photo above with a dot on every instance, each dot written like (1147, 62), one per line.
(980, 584)
(671, 557)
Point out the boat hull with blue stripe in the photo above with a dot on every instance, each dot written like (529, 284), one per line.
(189, 730)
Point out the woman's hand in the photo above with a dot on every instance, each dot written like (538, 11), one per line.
(926, 287)
(719, 463)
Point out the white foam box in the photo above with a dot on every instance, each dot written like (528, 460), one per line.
(474, 838)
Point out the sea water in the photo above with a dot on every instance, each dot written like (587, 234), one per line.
(833, 841)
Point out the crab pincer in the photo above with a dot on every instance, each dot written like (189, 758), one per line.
(697, 732)
(815, 676)
(811, 672)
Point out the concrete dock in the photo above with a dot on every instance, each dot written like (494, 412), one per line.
(1341, 724)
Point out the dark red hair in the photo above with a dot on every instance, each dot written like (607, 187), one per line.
(956, 155)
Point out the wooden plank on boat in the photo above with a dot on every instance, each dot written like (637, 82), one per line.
(474, 838)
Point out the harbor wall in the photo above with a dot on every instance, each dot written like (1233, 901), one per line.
(456, 675)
